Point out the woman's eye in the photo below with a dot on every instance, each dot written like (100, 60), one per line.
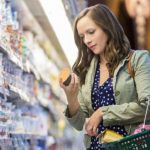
(81, 37)
(91, 32)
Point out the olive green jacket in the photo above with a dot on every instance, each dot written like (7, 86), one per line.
(130, 95)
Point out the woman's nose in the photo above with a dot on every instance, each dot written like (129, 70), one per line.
(87, 40)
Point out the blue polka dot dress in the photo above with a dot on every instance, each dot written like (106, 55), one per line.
(103, 96)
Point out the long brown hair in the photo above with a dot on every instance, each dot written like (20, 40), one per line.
(117, 47)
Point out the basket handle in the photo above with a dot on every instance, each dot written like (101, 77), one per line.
(146, 112)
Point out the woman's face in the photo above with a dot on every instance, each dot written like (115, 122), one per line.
(92, 35)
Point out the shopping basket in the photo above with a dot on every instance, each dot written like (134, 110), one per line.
(139, 141)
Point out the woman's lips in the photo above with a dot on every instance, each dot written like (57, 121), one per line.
(92, 47)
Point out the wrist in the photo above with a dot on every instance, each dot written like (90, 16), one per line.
(101, 114)
(73, 108)
(73, 105)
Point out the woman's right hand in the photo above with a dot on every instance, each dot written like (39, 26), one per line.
(71, 92)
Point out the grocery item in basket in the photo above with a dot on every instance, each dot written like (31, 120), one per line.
(109, 136)
(65, 75)
(141, 127)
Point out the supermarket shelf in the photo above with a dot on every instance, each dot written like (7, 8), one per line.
(55, 53)
(28, 135)
(28, 67)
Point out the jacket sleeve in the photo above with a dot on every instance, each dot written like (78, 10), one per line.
(77, 121)
(132, 112)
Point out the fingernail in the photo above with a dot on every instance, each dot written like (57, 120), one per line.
(97, 130)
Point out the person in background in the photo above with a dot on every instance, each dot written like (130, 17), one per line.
(101, 88)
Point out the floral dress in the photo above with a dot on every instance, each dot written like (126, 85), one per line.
(103, 96)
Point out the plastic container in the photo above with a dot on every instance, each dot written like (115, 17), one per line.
(65, 75)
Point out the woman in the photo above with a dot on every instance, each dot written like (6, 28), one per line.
(101, 89)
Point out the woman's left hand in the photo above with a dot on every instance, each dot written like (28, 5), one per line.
(93, 122)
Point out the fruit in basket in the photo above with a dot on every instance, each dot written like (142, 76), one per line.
(65, 75)
(109, 136)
